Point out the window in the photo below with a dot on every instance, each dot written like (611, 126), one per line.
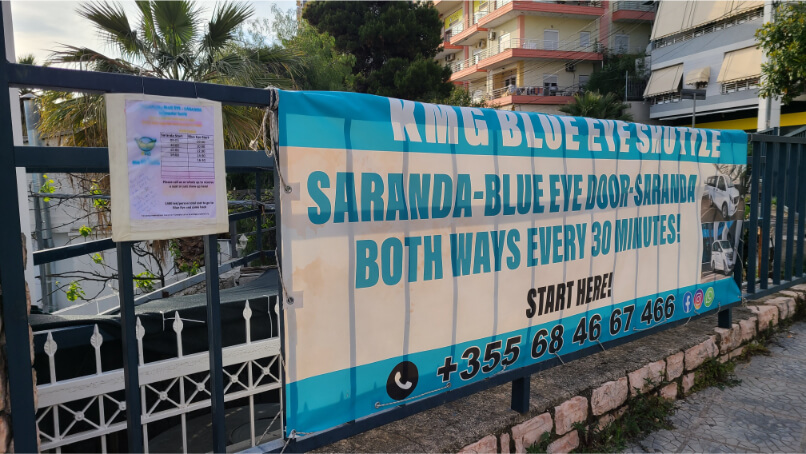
(584, 39)
(721, 184)
(511, 80)
(583, 80)
(739, 85)
(551, 39)
(622, 44)
(504, 42)
(550, 85)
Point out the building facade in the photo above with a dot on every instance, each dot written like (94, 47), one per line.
(709, 45)
(535, 55)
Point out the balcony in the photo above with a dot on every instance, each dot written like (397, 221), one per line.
(507, 10)
(632, 11)
(547, 95)
(500, 53)
(466, 70)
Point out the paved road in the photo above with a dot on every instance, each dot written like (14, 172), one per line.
(766, 413)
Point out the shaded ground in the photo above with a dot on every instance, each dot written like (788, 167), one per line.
(766, 413)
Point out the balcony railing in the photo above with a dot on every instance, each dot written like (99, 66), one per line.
(496, 47)
(635, 6)
(533, 90)
(453, 30)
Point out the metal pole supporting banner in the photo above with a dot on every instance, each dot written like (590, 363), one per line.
(214, 340)
(128, 326)
(12, 272)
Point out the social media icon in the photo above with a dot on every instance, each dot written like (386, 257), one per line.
(688, 302)
(402, 380)
(709, 296)
(698, 296)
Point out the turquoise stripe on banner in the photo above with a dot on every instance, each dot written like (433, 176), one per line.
(325, 401)
(317, 120)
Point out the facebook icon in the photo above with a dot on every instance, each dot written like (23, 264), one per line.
(687, 302)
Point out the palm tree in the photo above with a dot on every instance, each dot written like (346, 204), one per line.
(593, 104)
(170, 41)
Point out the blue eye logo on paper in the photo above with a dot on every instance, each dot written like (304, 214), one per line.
(146, 144)
(688, 302)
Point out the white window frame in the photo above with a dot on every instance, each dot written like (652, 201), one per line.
(556, 45)
(616, 46)
(584, 43)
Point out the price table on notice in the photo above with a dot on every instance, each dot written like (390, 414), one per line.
(187, 156)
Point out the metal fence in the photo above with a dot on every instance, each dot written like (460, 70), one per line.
(773, 259)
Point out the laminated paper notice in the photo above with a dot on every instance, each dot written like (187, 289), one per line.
(166, 164)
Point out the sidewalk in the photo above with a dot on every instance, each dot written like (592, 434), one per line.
(765, 413)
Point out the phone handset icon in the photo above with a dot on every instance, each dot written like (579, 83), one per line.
(402, 380)
(400, 384)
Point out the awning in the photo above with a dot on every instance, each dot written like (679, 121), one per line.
(700, 75)
(665, 80)
(675, 17)
(740, 64)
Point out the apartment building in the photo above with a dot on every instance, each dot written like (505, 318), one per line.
(709, 45)
(535, 55)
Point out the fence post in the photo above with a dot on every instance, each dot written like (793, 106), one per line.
(12, 273)
(520, 394)
(131, 368)
(214, 341)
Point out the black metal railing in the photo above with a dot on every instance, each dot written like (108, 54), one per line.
(777, 214)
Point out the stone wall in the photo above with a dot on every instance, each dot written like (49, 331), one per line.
(671, 377)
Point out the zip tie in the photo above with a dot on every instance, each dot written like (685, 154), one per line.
(560, 358)
(380, 405)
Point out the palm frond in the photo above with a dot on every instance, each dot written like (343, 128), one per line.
(178, 23)
(93, 60)
(112, 23)
(221, 29)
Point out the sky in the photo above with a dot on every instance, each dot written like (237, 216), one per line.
(40, 26)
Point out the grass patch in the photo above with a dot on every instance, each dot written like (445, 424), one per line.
(646, 414)
(714, 373)
(752, 349)
(541, 445)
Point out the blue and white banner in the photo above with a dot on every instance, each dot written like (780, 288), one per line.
(427, 247)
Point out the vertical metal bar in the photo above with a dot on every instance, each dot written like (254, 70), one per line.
(780, 194)
(520, 394)
(791, 206)
(12, 273)
(233, 239)
(258, 196)
(129, 342)
(278, 192)
(214, 340)
(725, 318)
(766, 211)
(801, 209)
(756, 171)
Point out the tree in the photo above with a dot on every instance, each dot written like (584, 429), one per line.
(784, 41)
(610, 78)
(592, 104)
(170, 41)
(325, 68)
(394, 44)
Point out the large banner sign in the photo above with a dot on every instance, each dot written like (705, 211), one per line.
(426, 247)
